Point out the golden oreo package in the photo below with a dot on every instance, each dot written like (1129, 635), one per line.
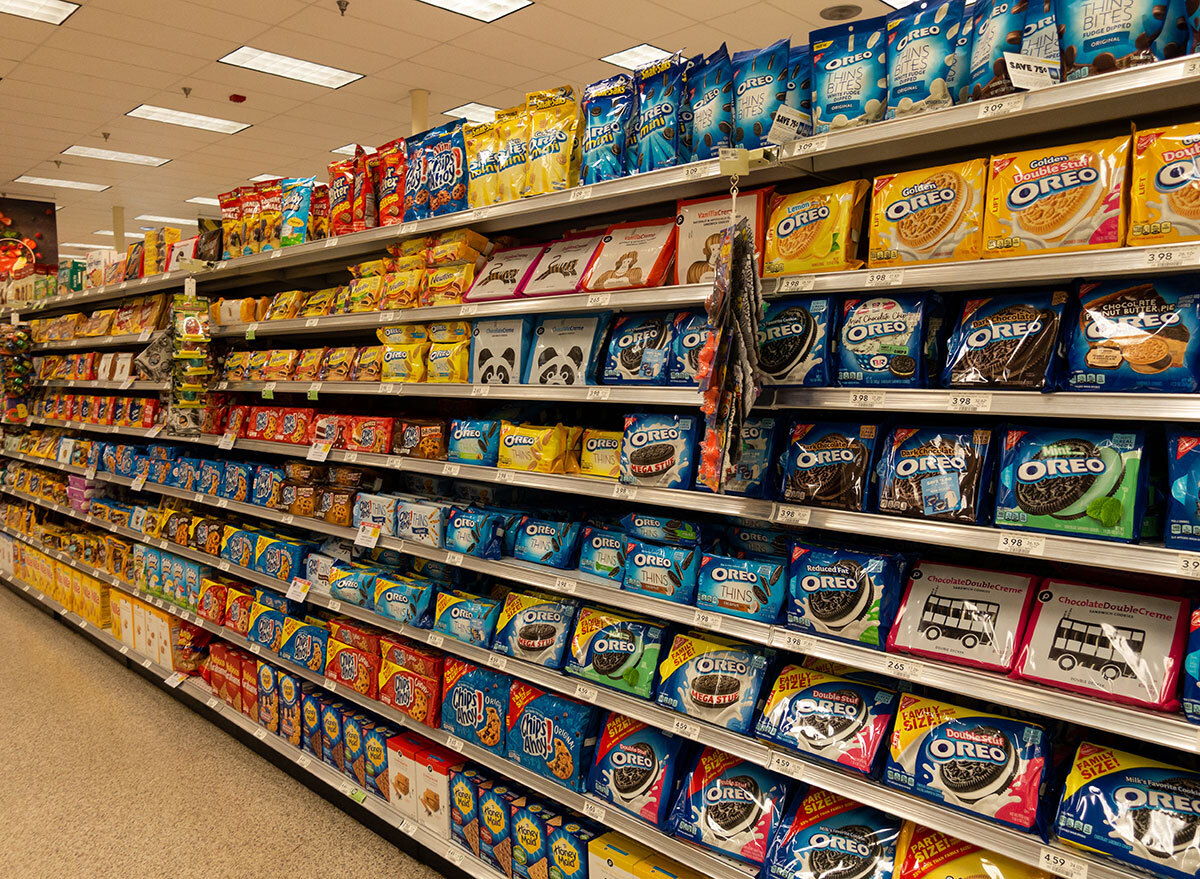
(552, 158)
(483, 165)
(601, 453)
(512, 142)
(815, 231)
(1057, 200)
(931, 215)
(533, 448)
(402, 334)
(404, 363)
(1164, 201)
(449, 361)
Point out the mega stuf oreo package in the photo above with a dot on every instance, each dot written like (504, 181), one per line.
(639, 349)
(826, 836)
(1009, 341)
(729, 805)
(635, 767)
(1135, 336)
(832, 718)
(615, 650)
(713, 679)
(991, 766)
(535, 627)
(795, 341)
(658, 450)
(843, 593)
(1089, 483)
(753, 588)
(936, 473)
(829, 465)
(889, 341)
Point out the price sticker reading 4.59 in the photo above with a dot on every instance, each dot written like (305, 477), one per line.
(1061, 864)
(1022, 544)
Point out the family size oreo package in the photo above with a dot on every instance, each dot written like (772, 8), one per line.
(534, 627)
(635, 767)
(829, 465)
(566, 350)
(713, 679)
(922, 853)
(639, 349)
(844, 594)
(661, 570)
(920, 53)
(1135, 337)
(498, 349)
(795, 341)
(729, 805)
(602, 553)
(753, 588)
(936, 473)
(690, 336)
(835, 719)
(1089, 483)
(760, 83)
(615, 650)
(1009, 341)
(826, 836)
(659, 450)
(1182, 529)
(991, 766)
(850, 74)
(889, 341)
(1106, 643)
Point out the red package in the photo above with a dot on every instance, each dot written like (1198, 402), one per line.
(365, 433)
(149, 412)
(293, 425)
(363, 201)
(236, 420)
(341, 197)
(393, 158)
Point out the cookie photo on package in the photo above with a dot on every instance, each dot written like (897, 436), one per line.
(659, 450)
(639, 348)
(844, 594)
(475, 704)
(826, 836)
(920, 53)
(551, 735)
(609, 114)
(1091, 46)
(660, 95)
(566, 350)
(933, 473)
(602, 553)
(752, 588)
(760, 83)
(1010, 341)
(829, 465)
(713, 679)
(889, 341)
(710, 92)
(795, 341)
(922, 853)
(816, 230)
(933, 215)
(634, 767)
(617, 651)
(632, 255)
(535, 627)
(691, 338)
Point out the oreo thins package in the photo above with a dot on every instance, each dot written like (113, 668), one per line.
(826, 836)
(474, 442)
(614, 650)
(932, 473)
(1135, 810)
(984, 764)
(498, 349)
(535, 627)
(829, 465)
(639, 349)
(850, 75)
(839, 720)
(565, 349)
(547, 542)
(660, 570)
(713, 679)
(635, 767)
(844, 594)
(753, 588)
(1006, 342)
(729, 805)
(889, 341)
(1089, 483)
(659, 528)
(760, 84)
(1182, 530)
(795, 341)
(602, 553)
(658, 450)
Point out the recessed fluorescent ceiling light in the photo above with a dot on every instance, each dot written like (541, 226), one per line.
(110, 231)
(114, 156)
(263, 178)
(50, 11)
(635, 57)
(473, 112)
(62, 184)
(480, 10)
(86, 246)
(348, 149)
(156, 219)
(291, 68)
(204, 199)
(190, 120)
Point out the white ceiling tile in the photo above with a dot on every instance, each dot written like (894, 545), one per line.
(441, 80)
(26, 29)
(321, 49)
(419, 19)
(554, 26)
(448, 58)
(702, 10)
(696, 39)
(190, 15)
(633, 18)
(760, 25)
(109, 66)
(542, 56)
(269, 11)
(100, 25)
(388, 36)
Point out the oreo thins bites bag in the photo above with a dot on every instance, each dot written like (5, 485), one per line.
(498, 349)
(934, 473)
(839, 720)
(535, 627)
(753, 588)
(850, 74)
(933, 215)
(1135, 337)
(639, 348)
(1089, 483)
(1006, 341)
(729, 805)
(609, 112)
(920, 52)
(829, 465)
(999, 27)
(562, 266)
(713, 679)
(658, 450)
(1135, 810)
(760, 83)
(711, 96)
(1182, 530)
(815, 231)
(991, 766)
(1114, 42)
(660, 93)
(565, 349)
(799, 93)
(1106, 643)
(844, 594)
(889, 341)
(615, 650)
(826, 836)
(795, 341)
(632, 255)
(635, 767)
(503, 275)
(701, 222)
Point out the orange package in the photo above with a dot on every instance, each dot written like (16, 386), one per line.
(368, 434)
(341, 197)
(308, 366)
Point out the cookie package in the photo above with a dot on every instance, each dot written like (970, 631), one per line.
(933, 215)
(795, 341)
(935, 473)
(844, 594)
(634, 767)
(1164, 195)
(890, 341)
(829, 465)
(713, 679)
(826, 836)
(1010, 341)
(815, 231)
(551, 735)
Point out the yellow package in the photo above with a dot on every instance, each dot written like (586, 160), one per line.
(923, 853)
(410, 246)
(574, 446)
(338, 363)
(318, 303)
(368, 364)
(447, 284)
(402, 334)
(928, 216)
(1057, 200)
(364, 294)
(372, 267)
(257, 366)
(404, 363)
(280, 364)
(452, 253)
(512, 142)
(446, 331)
(408, 263)
(469, 237)
(285, 305)
(403, 289)
(449, 361)
(815, 231)
(308, 366)
(483, 164)
(552, 159)
(601, 453)
(533, 448)
(236, 363)
(1164, 201)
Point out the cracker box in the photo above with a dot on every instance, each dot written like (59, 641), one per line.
(635, 767)
(613, 856)
(354, 727)
(815, 231)
(532, 825)
(475, 704)
(311, 705)
(333, 745)
(375, 752)
(268, 697)
(466, 785)
(1057, 200)
(1164, 202)
(712, 679)
(551, 735)
(496, 806)
(403, 752)
(434, 766)
(928, 216)
(290, 697)
(568, 854)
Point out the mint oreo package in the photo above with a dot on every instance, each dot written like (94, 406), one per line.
(615, 650)
(639, 349)
(602, 553)
(890, 341)
(1086, 483)
(795, 341)
(1010, 341)
(826, 836)
(1182, 530)
(844, 594)
(474, 441)
(661, 528)
(936, 473)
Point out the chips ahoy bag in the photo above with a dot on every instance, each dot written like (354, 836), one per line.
(416, 196)
(608, 115)
(446, 169)
(660, 95)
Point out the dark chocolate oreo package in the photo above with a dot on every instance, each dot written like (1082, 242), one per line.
(795, 344)
(1009, 341)
(936, 473)
(829, 465)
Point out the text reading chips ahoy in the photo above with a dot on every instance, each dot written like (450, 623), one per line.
(475, 704)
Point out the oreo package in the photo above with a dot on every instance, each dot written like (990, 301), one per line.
(936, 473)
(1087, 483)
(889, 341)
(711, 95)
(1009, 341)
(991, 766)
(754, 473)
(602, 553)
(661, 571)
(474, 532)
(1135, 337)
(565, 350)
(498, 349)
(826, 836)
(829, 465)
(547, 542)
(753, 588)
(795, 341)
(659, 96)
(713, 679)
(661, 528)
(534, 627)
(920, 52)
(690, 335)
(1182, 529)
(832, 718)
(615, 650)
(1091, 46)
(639, 349)
(999, 27)
(1190, 691)
(844, 594)
(609, 114)
(760, 84)
(799, 93)
(634, 767)
(659, 450)
(850, 75)
(474, 442)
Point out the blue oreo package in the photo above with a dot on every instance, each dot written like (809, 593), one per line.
(826, 836)
(752, 588)
(959, 64)
(660, 95)
(465, 616)
(713, 679)
(1175, 38)
(566, 349)
(1123, 37)
(446, 169)
(936, 473)
(474, 532)
(844, 594)
(659, 451)
(547, 542)
(849, 63)
(602, 553)
(1182, 530)
(1039, 38)
(795, 341)
(799, 93)
(473, 441)
(829, 465)
(639, 349)
(760, 84)
(661, 571)
(997, 26)
(692, 69)
(890, 341)
(416, 198)
(920, 52)
(689, 334)
(535, 627)
(634, 767)
(608, 116)
(742, 540)
(662, 529)
(1010, 341)
(754, 473)
(404, 600)
(711, 95)
(1190, 689)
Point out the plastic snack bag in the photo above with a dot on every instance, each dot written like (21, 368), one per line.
(341, 197)
(416, 196)
(660, 94)
(920, 51)
(446, 169)
(608, 109)
(1093, 44)
(363, 209)
(393, 168)
(849, 74)
(232, 230)
(799, 93)
(998, 27)
(270, 212)
(483, 164)
(760, 82)
(711, 95)
(552, 159)
(297, 199)
(512, 142)
(692, 68)
(251, 220)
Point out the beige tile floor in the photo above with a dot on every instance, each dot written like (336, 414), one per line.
(105, 775)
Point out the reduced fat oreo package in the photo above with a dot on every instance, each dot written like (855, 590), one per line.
(936, 473)
(829, 465)
(535, 627)
(635, 767)
(639, 349)
(617, 651)
(1109, 644)
(991, 766)
(850, 74)
(632, 255)
(659, 450)
(1009, 341)
(661, 570)
(920, 52)
(713, 679)
(502, 277)
(562, 266)
(1182, 529)
(890, 341)
(753, 588)
(566, 350)
(795, 341)
(844, 594)
(1086, 483)
(826, 836)
(498, 349)
(832, 718)
(760, 83)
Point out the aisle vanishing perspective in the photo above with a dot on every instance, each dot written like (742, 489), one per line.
(101, 757)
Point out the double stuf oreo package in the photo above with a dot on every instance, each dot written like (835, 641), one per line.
(634, 767)
(1006, 342)
(936, 473)
(828, 465)
(795, 345)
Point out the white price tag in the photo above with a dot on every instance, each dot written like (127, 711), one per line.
(792, 641)
(706, 619)
(454, 558)
(329, 685)
(454, 854)
(1028, 72)
(407, 827)
(256, 649)
(480, 390)
(506, 476)
(796, 283)
(387, 317)
(693, 171)
(214, 703)
(1022, 544)
(580, 193)
(1189, 565)
(139, 483)
(299, 589)
(268, 391)
(496, 661)
(146, 663)
(154, 431)
(223, 503)
(391, 388)
(260, 733)
(584, 693)
(884, 278)
(622, 492)
(786, 765)
(124, 650)
(1061, 864)
(368, 535)
(479, 213)
(1001, 106)
(599, 393)
(899, 668)
(303, 761)
(467, 310)
(311, 322)
(810, 145)
(318, 451)
(1170, 257)
(685, 728)
(82, 623)
(454, 743)
(288, 518)
(786, 126)
(450, 469)
(189, 286)
(275, 254)
(594, 811)
(334, 605)
(565, 584)
(867, 399)
(435, 639)
(788, 514)
(598, 300)
(223, 565)
(977, 402)
(395, 462)
(226, 441)
(331, 242)
(91, 471)
(350, 457)
(127, 384)
(175, 679)
(1191, 67)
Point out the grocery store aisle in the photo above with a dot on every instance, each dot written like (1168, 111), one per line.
(108, 776)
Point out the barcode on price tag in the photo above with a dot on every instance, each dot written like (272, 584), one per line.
(899, 668)
(598, 300)
(497, 661)
(368, 535)
(884, 278)
(260, 733)
(454, 558)
(480, 390)
(580, 193)
(1169, 257)
(796, 283)
(594, 810)
(214, 703)
(175, 679)
(455, 855)
(787, 514)
(1061, 864)
(1022, 544)
(1189, 565)
(622, 492)
(435, 639)
(867, 399)
(334, 605)
(706, 619)
(685, 728)
(786, 765)
(146, 663)
(1001, 106)
(584, 693)
(981, 402)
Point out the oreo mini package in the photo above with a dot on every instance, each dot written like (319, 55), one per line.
(498, 349)
(829, 465)
(753, 588)
(658, 450)
(639, 349)
(1009, 341)
(475, 704)
(505, 272)
(991, 766)
(760, 84)
(660, 94)
(546, 542)
(850, 74)
(1088, 483)
(535, 627)
(920, 51)
(474, 442)
(602, 553)
(632, 255)
(1135, 337)
(661, 571)
(634, 767)
(552, 155)
(1182, 530)
(609, 112)
(691, 337)
(710, 91)
(799, 93)
(713, 679)
(826, 836)
(729, 805)
(889, 341)
(795, 341)
(551, 735)
(566, 350)
(617, 651)
(1091, 46)
(844, 594)
(935, 473)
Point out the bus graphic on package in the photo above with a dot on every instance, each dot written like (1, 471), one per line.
(967, 620)
(1112, 650)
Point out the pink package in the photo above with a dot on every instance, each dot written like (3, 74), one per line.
(501, 278)
(561, 268)
(1116, 645)
(967, 616)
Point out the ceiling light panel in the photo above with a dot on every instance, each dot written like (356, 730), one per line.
(114, 156)
(153, 218)
(263, 178)
(205, 200)
(290, 68)
(349, 149)
(480, 10)
(636, 56)
(189, 120)
(62, 184)
(49, 11)
(473, 112)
